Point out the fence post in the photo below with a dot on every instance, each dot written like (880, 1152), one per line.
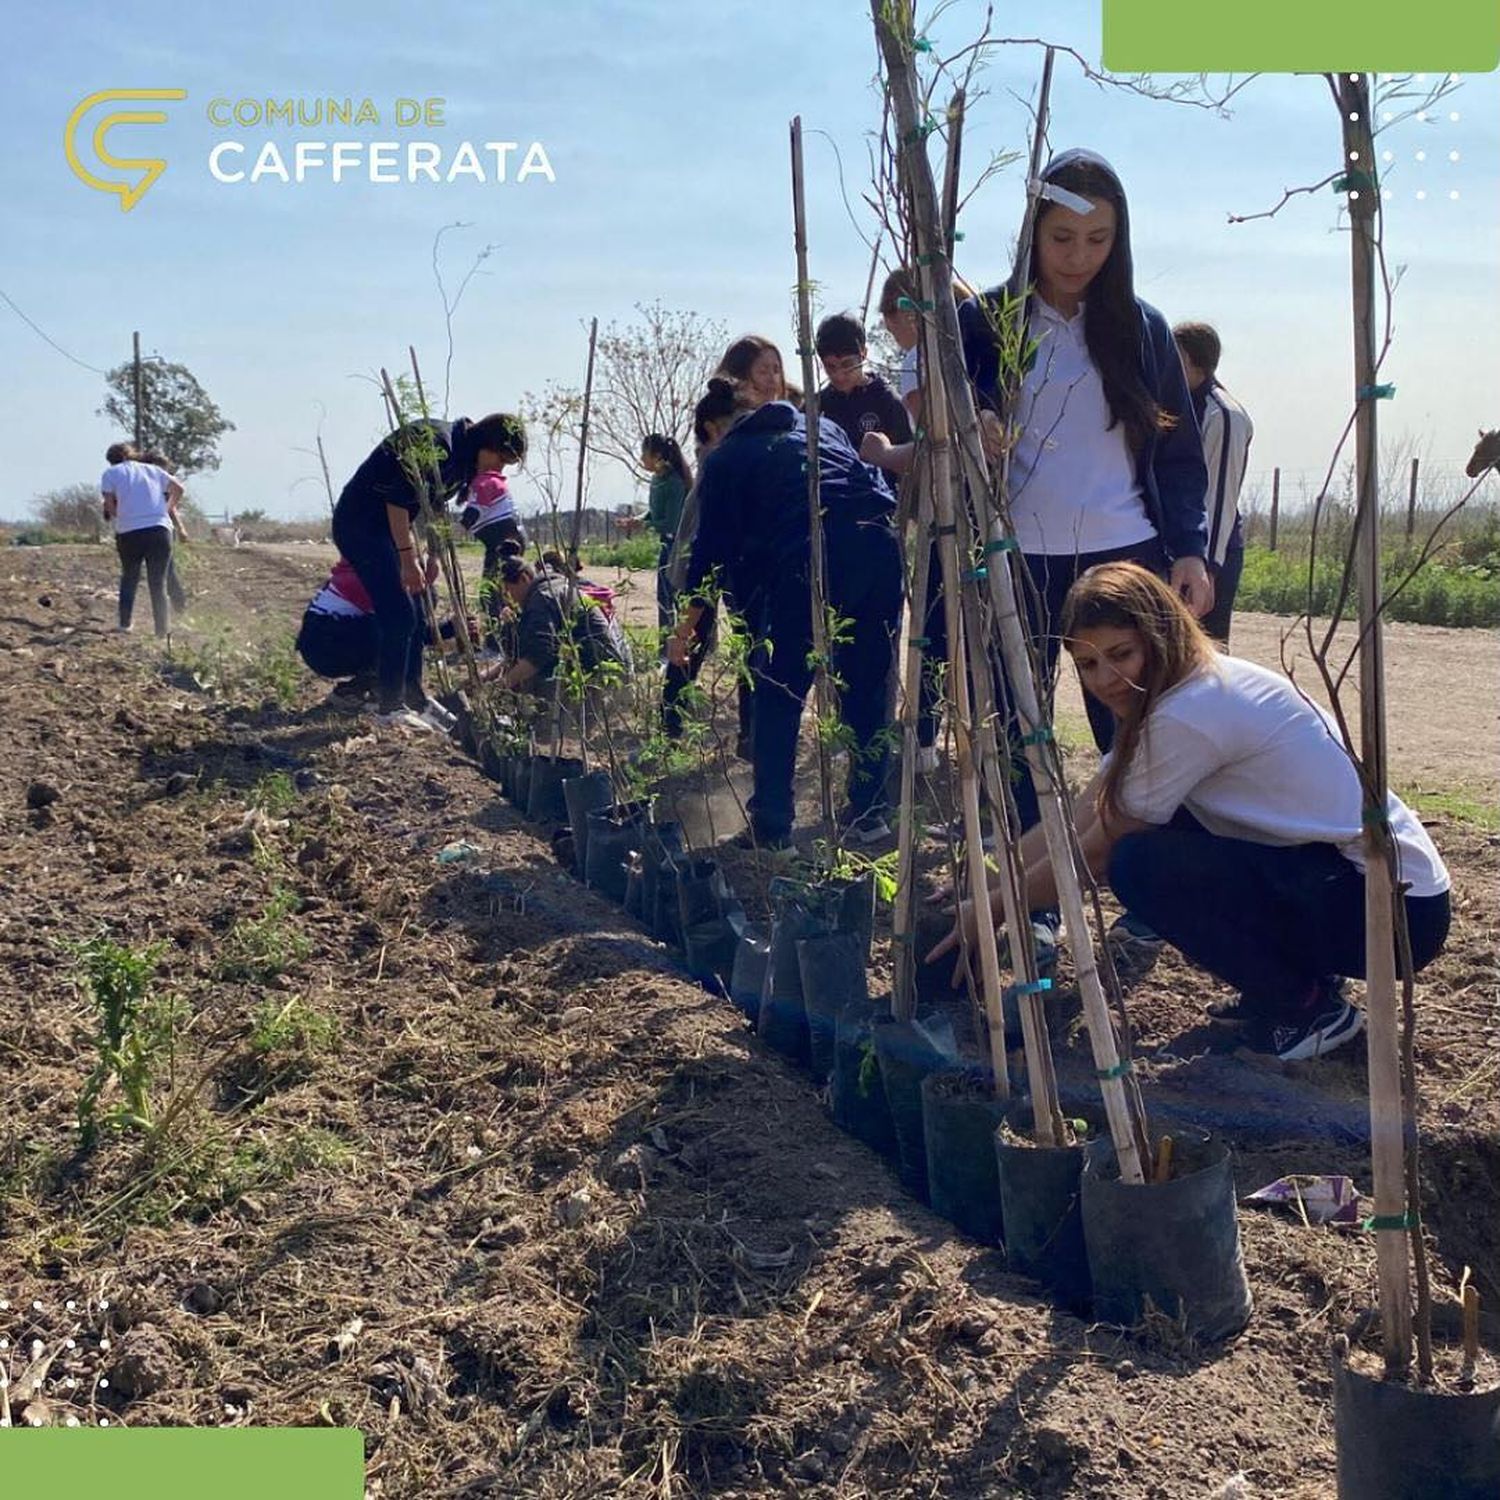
(1411, 502)
(1275, 503)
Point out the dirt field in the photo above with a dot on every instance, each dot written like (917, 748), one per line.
(452, 1153)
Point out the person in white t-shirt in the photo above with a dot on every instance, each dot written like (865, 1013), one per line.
(140, 499)
(1229, 817)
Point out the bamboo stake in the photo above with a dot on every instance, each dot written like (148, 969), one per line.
(428, 595)
(573, 555)
(1126, 1129)
(583, 440)
(449, 554)
(904, 915)
(948, 522)
(822, 697)
(904, 922)
(1386, 1139)
(1040, 1070)
(327, 478)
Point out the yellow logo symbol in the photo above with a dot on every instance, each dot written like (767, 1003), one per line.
(130, 189)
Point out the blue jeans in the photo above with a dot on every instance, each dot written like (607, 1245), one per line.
(1271, 921)
(398, 636)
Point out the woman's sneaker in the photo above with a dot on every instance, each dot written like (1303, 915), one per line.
(1134, 947)
(438, 717)
(1323, 1032)
(866, 829)
(405, 718)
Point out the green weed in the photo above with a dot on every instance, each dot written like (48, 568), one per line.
(134, 1031)
(259, 948)
(275, 794)
(292, 1027)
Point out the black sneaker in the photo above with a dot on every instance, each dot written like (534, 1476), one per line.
(868, 828)
(1324, 1032)
(1134, 947)
(747, 839)
(1046, 935)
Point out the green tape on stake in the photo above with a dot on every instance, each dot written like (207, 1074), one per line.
(919, 640)
(1376, 393)
(951, 529)
(1354, 182)
(1039, 736)
(976, 575)
(1119, 1070)
(920, 44)
(1390, 1221)
(1375, 817)
(1005, 544)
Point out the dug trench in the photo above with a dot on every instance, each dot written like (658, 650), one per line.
(453, 1153)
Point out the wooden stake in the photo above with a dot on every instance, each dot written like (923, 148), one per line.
(1275, 504)
(1381, 1011)
(904, 920)
(1411, 501)
(419, 487)
(448, 552)
(904, 915)
(583, 441)
(822, 697)
(327, 477)
(1470, 1297)
(1126, 1129)
(1163, 1170)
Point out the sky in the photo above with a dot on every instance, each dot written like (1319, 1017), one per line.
(665, 127)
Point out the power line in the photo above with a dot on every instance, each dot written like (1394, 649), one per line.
(46, 338)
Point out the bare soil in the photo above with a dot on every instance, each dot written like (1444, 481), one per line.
(527, 1206)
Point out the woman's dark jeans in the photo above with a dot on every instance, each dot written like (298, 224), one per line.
(151, 546)
(1270, 920)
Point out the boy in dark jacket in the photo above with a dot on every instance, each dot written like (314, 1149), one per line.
(854, 398)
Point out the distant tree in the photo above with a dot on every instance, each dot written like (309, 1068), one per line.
(250, 518)
(73, 510)
(177, 416)
(649, 377)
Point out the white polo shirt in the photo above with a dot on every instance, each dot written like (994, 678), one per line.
(1072, 478)
(1250, 758)
(140, 492)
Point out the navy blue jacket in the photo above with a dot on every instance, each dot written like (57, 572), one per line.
(753, 522)
(381, 480)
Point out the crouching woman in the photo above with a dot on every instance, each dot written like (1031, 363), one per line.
(1228, 818)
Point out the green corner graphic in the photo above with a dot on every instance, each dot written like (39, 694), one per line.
(185, 1463)
(1295, 36)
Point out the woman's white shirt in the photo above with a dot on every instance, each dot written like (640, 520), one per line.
(1250, 758)
(140, 492)
(1073, 486)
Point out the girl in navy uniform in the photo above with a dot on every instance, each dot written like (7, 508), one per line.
(754, 536)
(373, 529)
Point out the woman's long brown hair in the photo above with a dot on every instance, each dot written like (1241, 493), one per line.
(1126, 596)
